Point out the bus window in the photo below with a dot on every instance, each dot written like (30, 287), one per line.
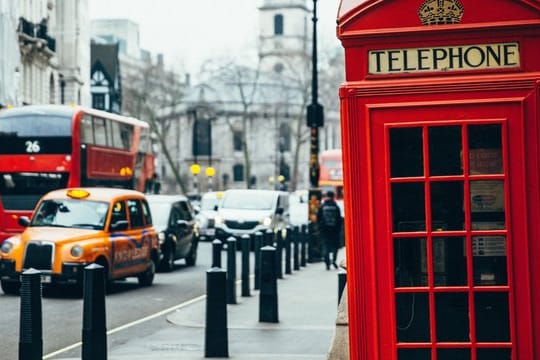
(100, 132)
(87, 131)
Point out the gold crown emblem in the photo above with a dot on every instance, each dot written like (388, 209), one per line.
(437, 12)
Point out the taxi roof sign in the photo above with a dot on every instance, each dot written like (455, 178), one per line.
(77, 193)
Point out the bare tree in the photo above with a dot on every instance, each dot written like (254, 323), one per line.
(244, 83)
(153, 94)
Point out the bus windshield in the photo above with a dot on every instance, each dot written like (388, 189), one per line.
(21, 191)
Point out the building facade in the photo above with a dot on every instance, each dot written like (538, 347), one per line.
(49, 62)
(266, 132)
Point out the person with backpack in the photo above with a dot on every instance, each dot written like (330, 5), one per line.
(329, 221)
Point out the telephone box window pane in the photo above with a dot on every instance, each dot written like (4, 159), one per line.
(410, 262)
(453, 354)
(452, 314)
(485, 145)
(445, 150)
(406, 156)
(492, 317)
(449, 262)
(487, 205)
(447, 206)
(412, 317)
(408, 207)
(489, 260)
(494, 354)
(414, 354)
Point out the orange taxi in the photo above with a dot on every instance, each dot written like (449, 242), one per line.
(72, 228)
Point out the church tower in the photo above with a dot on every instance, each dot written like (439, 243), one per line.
(285, 36)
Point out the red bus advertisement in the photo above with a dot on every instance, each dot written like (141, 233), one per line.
(331, 172)
(46, 147)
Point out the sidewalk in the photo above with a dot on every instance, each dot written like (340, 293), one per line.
(307, 307)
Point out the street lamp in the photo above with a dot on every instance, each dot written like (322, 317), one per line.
(195, 170)
(315, 119)
(210, 172)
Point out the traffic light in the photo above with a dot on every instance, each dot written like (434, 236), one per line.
(315, 115)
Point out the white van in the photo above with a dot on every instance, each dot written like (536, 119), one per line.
(246, 211)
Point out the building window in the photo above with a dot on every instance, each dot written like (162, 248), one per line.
(237, 140)
(98, 101)
(284, 137)
(202, 140)
(278, 24)
(238, 172)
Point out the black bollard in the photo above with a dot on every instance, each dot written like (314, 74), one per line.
(257, 242)
(296, 250)
(31, 326)
(94, 332)
(268, 296)
(217, 246)
(303, 245)
(342, 281)
(231, 270)
(216, 342)
(287, 244)
(279, 254)
(269, 238)
(245, 264)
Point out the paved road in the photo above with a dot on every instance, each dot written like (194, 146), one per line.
(127, 302)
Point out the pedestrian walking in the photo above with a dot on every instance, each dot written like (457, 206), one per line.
(329, 221)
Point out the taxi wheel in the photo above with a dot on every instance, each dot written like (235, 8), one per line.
(11, 287)
(167, 263)
(191, 258)
(147, 278)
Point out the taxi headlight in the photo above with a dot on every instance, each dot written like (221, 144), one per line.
(77, 251)
(218, 220)
(161, 237)
(267, 221)
(6, 247)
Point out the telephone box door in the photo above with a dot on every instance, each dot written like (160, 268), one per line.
(453, 223)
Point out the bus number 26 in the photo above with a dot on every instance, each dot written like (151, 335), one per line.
(32, 146)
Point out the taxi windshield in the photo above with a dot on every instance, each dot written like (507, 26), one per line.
(83, 214)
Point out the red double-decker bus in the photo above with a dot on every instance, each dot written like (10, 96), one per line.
(46, 147)
(331, 172)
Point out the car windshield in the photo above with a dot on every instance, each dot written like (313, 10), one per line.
(249, 200)
(71, 213)
(209, 203)
(160, 213)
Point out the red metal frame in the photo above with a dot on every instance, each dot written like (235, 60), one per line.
(372, 104)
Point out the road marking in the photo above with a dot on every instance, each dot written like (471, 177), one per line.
(128, 325)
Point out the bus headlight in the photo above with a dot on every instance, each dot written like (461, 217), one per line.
(267, 221)
(6, 247)
(77, 251)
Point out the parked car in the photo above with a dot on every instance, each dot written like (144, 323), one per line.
(206, 213)
(72, 228)
(246, 211)
(174, 220)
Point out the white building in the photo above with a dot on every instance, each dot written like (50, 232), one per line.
(275, 115)
(49, 63)
(10, 62)
(71, 30)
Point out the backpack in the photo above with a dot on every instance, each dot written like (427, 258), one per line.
(330, 215)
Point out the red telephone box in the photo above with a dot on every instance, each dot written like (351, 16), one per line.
(441, 155)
